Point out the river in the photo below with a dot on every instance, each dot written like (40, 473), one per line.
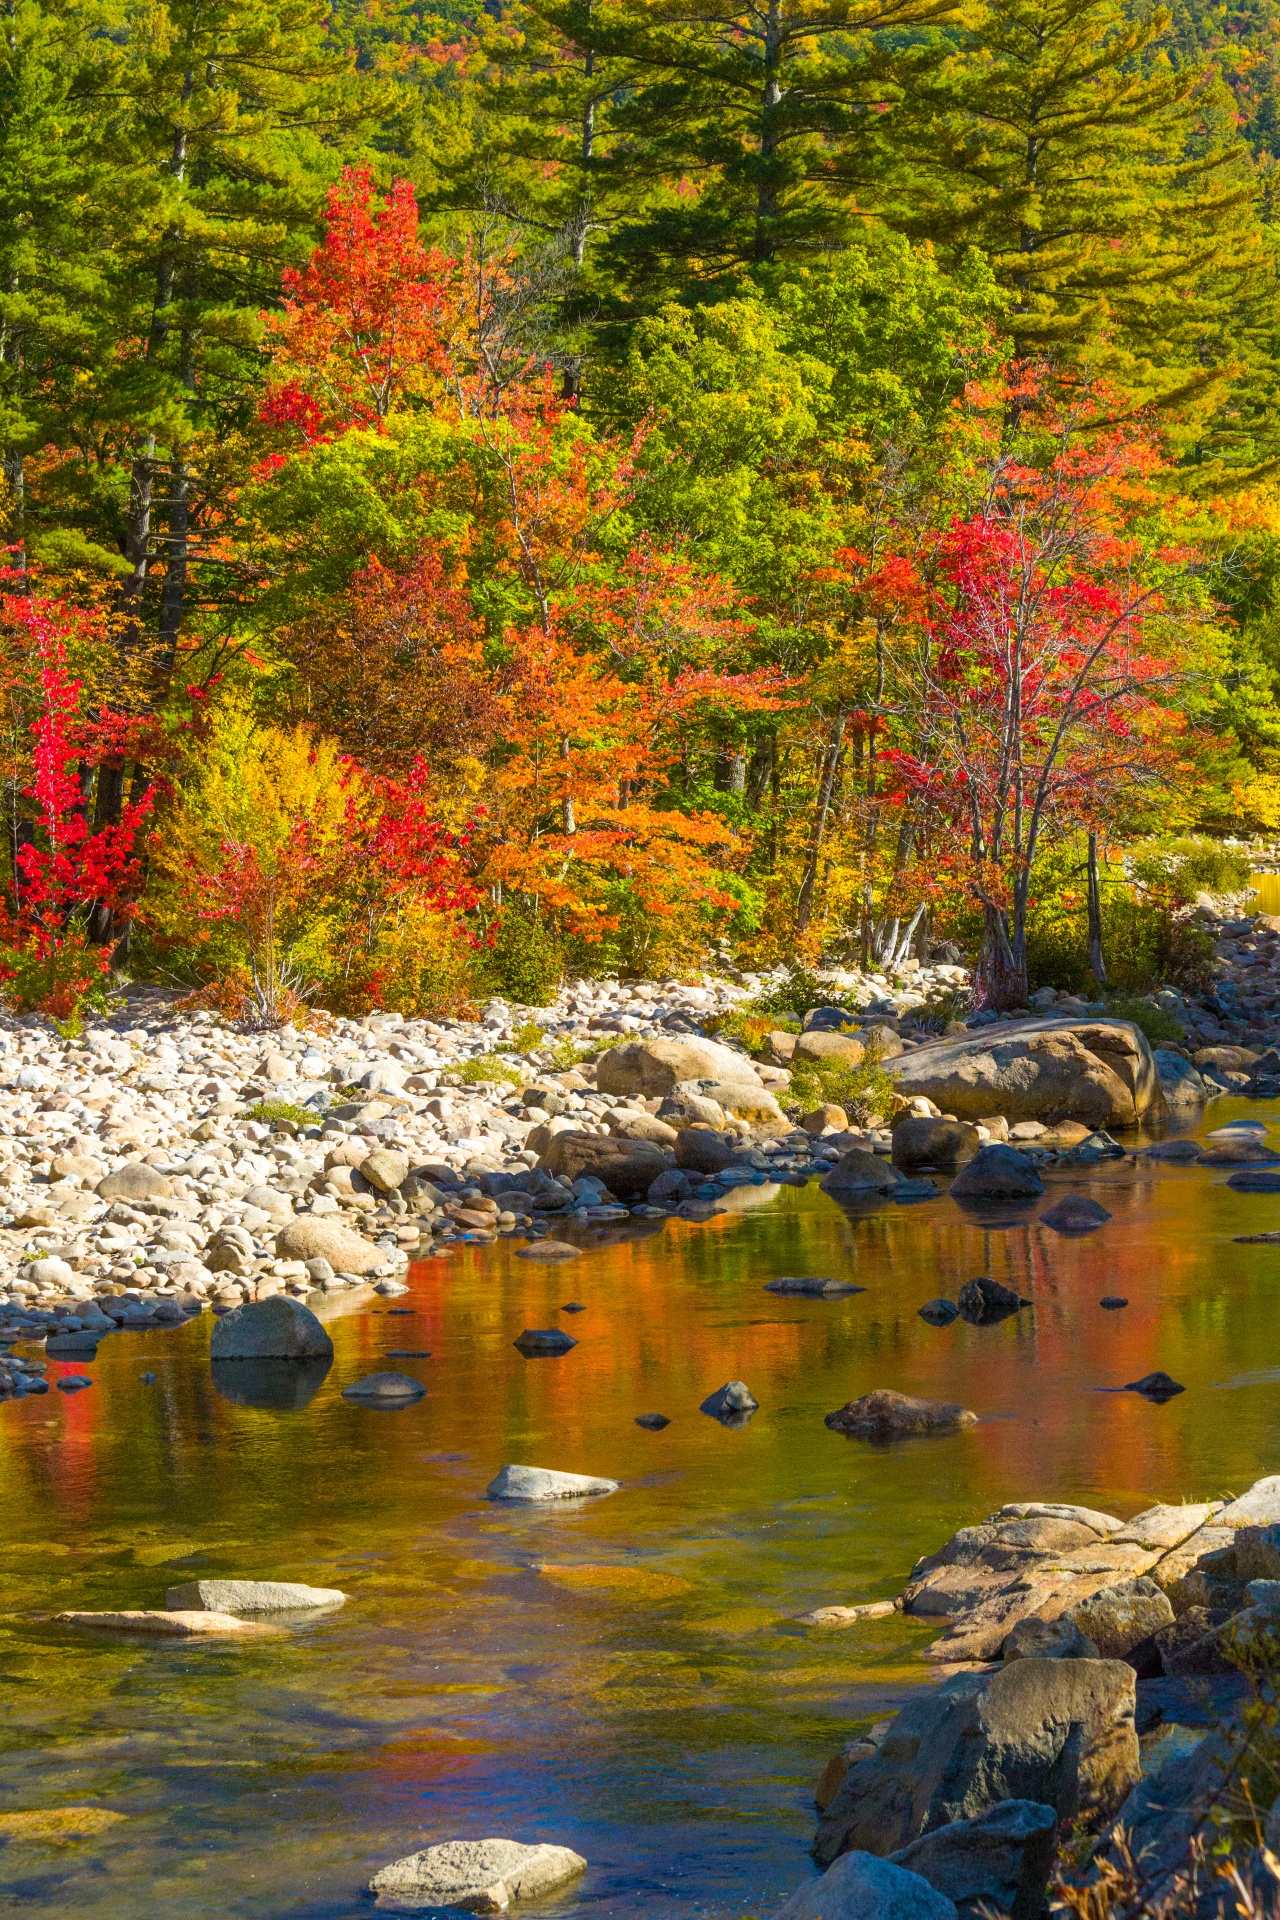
(627, 1679)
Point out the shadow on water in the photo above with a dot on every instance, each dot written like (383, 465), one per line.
(626, 1675)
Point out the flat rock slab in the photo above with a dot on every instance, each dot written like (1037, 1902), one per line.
(544, 1483)
(813, 1288)
(175, 1623)
(251, 1596)
(549, 1250)
(475, 1876)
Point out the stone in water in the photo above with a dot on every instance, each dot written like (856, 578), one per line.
(655, 1422)
(250, 1596)
(812, 1287)
(1155, 1386)
(543, 1340)
(385, 1390)
(544, 1483)
(475, 1876)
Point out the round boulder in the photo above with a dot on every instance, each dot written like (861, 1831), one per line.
(386, 1169)
(920, 1142)
(700, 1150)
(859, 1172)
(1075, 1214)
(655, 1066)
(277, 1328)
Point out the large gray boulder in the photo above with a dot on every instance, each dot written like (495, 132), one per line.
(476, 1876)
(1098, 1071)
(1000, 1861)
(860, 1887)
(704, 1150)
(1118, 1618)
(1059, 1732)
(627, 1167)
(655, 1066)
(251, 1596)
(277, 1328)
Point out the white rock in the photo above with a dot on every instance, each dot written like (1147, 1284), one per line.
(250, 1596)
(476, 1876)
(544, 1483)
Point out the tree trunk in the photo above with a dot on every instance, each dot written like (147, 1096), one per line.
(1097, 960)
(1002, 966)
(765, 245)
(760, 771)
(826, 788)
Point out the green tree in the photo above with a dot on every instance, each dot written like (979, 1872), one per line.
(1107, 187)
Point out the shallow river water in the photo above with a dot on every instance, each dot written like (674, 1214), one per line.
(627, 1679)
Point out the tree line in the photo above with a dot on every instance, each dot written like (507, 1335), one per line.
(730, 478)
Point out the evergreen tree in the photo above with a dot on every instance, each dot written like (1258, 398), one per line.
(733, 135)
(1108, 188)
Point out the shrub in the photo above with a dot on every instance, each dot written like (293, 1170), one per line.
(797, 994)
(1162, 1028)
(491, 1067)
(528, 1037)
(751, 1028)
(271, 1111)
(1180, 869)
(525, 959)
(864, 1091)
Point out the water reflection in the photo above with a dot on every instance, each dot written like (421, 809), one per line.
(286, 1386)
(626, 1678)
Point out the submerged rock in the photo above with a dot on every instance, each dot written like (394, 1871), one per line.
(813, 1288)
(984, 1302)
(1075, 1214)
(475, 1876)
(157, 1623)
(655, 1422)
(1155, 1386)
(885, 1415)
(939, 1313)
(385, 1390)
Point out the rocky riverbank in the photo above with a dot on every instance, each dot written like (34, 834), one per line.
(161, 1162)
(1111, 1685)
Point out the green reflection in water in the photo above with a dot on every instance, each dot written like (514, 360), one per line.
(666, 1715)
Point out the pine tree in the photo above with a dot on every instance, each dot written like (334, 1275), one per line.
(1107, 187)
(734, 135)
(216, 123)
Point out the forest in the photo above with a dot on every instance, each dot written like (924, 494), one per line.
(618, 486)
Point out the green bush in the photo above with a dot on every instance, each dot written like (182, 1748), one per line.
(270, 1111)
(864, 1091)
(796, 994)
(1184, 868)
(488, 1066)
(1162, 1028)
(526, 961)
